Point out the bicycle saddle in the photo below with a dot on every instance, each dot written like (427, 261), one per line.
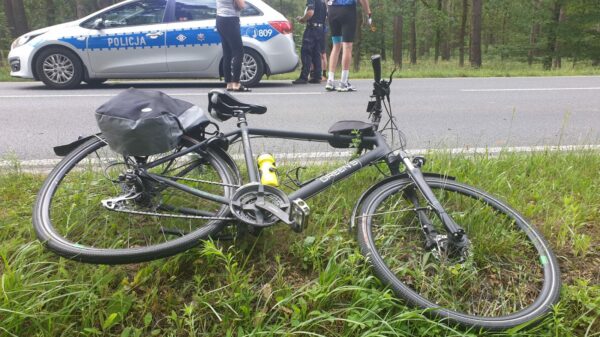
(222, 106)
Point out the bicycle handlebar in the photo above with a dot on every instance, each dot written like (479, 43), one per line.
(376, 62)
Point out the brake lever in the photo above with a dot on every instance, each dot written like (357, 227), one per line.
(392, 76)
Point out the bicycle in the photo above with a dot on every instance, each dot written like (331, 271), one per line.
(461, 254)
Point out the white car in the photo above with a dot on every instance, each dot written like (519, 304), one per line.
(152, 39)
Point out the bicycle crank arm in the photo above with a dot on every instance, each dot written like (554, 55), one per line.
(276, 211)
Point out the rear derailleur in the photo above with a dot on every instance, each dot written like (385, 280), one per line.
(134, 190)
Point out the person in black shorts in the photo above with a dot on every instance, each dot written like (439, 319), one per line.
(342, 23)
(312, 41)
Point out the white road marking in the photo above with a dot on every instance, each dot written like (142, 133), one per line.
(292, 157)
(170, 94)
(528, 89)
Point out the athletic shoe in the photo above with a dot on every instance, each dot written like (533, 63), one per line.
(299, 81)
(314, 81)
(330, 86)
(345, 87)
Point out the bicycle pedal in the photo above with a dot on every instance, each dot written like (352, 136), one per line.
(299, 213)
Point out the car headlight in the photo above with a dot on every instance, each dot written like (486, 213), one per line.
(22, 40)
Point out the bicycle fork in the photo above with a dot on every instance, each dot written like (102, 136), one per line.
(456, 239)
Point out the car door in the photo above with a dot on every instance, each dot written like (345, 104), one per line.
(193, 43)
(129, 39)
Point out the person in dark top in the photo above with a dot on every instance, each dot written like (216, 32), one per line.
(312, 41)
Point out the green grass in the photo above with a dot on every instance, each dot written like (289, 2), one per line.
(442, 69)
(281, 283)
(427, 68)
(5, 74)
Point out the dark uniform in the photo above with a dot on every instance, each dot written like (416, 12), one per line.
(313, 40)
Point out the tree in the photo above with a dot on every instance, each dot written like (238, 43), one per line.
(535, 32)
(552, 38)
(14, 10)
(413, 32)
(50, 12)
(104, 3)
(10, 18)
(463, 33)
(398, 30)
(446, 49)
(476, 33)
(438, 33)
(357, 44)
(80, 9)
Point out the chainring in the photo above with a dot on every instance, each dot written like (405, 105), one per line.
(243, 204)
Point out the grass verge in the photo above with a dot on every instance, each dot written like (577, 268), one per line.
(430, 69)
(282, 283)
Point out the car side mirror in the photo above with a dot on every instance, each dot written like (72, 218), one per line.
(98, 23)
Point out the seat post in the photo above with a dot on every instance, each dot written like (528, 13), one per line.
(248, 156)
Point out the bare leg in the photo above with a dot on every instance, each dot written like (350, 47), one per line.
(334, 56)
(346, 55)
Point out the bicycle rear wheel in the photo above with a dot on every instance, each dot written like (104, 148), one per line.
(510, 276)
(71, 220)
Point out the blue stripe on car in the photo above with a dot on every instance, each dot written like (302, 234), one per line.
(174, 38)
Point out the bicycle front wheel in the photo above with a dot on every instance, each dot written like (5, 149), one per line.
(149, 220)
(510, 275)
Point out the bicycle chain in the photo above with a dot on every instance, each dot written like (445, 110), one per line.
(198, 181)
(180, 216)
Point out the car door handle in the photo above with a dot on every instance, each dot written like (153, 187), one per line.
(154, 35)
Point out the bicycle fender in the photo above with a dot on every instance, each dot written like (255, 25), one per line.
(63, 150)
(373, 187)
(230, 162)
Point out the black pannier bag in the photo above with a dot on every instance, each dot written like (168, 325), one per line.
(145, 122)
(346, 131)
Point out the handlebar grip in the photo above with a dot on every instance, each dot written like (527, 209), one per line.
(376, 62)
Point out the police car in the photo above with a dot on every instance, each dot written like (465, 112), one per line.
(152, 39)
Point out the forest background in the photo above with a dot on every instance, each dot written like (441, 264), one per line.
(546, 34)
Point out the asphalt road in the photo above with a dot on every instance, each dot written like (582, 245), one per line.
(433, 113)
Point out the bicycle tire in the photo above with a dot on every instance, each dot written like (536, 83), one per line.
(70, 220)
(461, 293)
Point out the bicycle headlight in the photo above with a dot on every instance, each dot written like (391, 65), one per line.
(23, 39)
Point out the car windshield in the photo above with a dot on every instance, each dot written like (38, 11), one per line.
(143, 12)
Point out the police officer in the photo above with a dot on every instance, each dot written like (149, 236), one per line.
(312, 40)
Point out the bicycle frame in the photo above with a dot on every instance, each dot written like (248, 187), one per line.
(380, 151)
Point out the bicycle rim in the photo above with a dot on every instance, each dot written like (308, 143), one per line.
(509, 278)
(70, 218)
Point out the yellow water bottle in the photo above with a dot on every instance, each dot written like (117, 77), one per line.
(268, 172)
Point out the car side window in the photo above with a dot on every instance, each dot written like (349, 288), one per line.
(144, 12)
(250, 10)
(191, 10)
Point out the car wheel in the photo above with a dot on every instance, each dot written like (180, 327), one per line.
(253, 68)
(94, 82)
(59, 68)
